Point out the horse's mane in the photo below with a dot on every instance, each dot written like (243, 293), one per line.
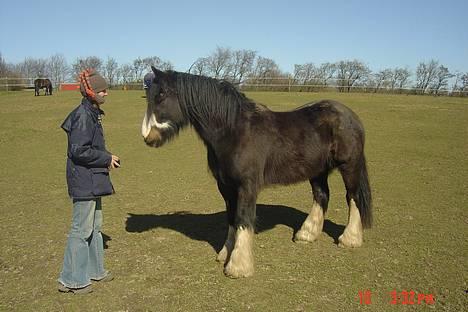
(211, 103)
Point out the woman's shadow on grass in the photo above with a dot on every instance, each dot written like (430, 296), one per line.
(212, 228)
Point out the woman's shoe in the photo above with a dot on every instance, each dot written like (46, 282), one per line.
(78, 291)
(109, 277)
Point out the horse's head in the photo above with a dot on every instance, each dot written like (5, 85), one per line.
(163, 118)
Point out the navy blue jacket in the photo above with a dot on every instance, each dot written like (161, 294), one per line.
(87, 157)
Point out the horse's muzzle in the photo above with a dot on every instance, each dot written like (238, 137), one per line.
(154, 138)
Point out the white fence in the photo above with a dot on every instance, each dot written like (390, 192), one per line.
(289, 84)
(317, 84)
(11, 84)
(16, 84)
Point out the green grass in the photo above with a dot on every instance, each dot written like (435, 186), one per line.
(167, 218)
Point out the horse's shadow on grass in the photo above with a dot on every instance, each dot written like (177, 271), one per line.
(212, 228)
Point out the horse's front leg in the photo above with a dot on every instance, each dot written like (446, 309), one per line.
(241, 262)
(229, 193)
(225, 253)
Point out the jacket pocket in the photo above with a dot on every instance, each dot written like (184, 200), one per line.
(101, 182)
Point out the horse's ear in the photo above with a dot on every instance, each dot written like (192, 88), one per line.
(156, 71)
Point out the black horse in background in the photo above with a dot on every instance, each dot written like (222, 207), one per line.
(41, 83)
(250, 147)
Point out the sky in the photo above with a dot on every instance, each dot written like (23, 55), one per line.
(381, 34)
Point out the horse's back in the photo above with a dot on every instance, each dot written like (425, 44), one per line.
(310, 138)
(332, 116)
(329, 107)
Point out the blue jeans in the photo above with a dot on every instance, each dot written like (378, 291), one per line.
(84, 254)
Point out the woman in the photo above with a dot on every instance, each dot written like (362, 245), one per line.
(88, 165)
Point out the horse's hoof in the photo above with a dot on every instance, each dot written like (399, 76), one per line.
(239, 266)
(304, 237)
(347, 240)
(232, 272)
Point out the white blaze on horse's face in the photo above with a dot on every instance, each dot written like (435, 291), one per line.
(150, 122)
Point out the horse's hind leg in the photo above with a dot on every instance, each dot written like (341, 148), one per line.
(358, 196)
(313, 224)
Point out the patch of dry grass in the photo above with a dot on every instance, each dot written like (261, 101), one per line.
(166, 221)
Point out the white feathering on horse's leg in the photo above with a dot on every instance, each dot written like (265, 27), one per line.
(312, 226)
(352, 235)
(225, 253)
(241, 262)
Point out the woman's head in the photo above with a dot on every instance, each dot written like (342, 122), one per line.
(93, 86)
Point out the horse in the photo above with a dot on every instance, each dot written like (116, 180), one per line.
(250, 147)
(42, 83)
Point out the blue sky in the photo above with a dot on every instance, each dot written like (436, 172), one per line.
(382, 34)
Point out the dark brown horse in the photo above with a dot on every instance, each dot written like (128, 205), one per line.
(41, 83)
(250, 147)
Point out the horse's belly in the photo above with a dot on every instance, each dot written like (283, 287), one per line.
(291, 172)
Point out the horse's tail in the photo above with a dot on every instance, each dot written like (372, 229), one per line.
(364, 196)
(50, 88)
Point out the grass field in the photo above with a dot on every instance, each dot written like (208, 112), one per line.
(165, 224)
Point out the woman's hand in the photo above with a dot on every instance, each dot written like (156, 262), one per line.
(115, 162)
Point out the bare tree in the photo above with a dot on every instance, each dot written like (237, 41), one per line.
(325, 72)
(242, 64)
(267, 72)
(425, 75)
(83, 63)
(311, 74)
(126, 72)
(118, 75)
(265, 68)
(58, 68)
(349, 73)
(225, 64)
(401, 77)
(456, 82)
(464, 84)
(3, 67)
(441, 78)
(151, 61)
(460, 84)
(383, 79)
(157, 63)
(219, 63)
(138, 68)
(110, 71)
(32, 68)
(199, 67)
(305, 74)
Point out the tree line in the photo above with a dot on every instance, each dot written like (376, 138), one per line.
(251, 71)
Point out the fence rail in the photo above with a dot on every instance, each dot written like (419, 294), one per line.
(271, 84)
(364, 87)
(17, 84)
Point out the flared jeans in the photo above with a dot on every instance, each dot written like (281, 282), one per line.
(84, 254)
